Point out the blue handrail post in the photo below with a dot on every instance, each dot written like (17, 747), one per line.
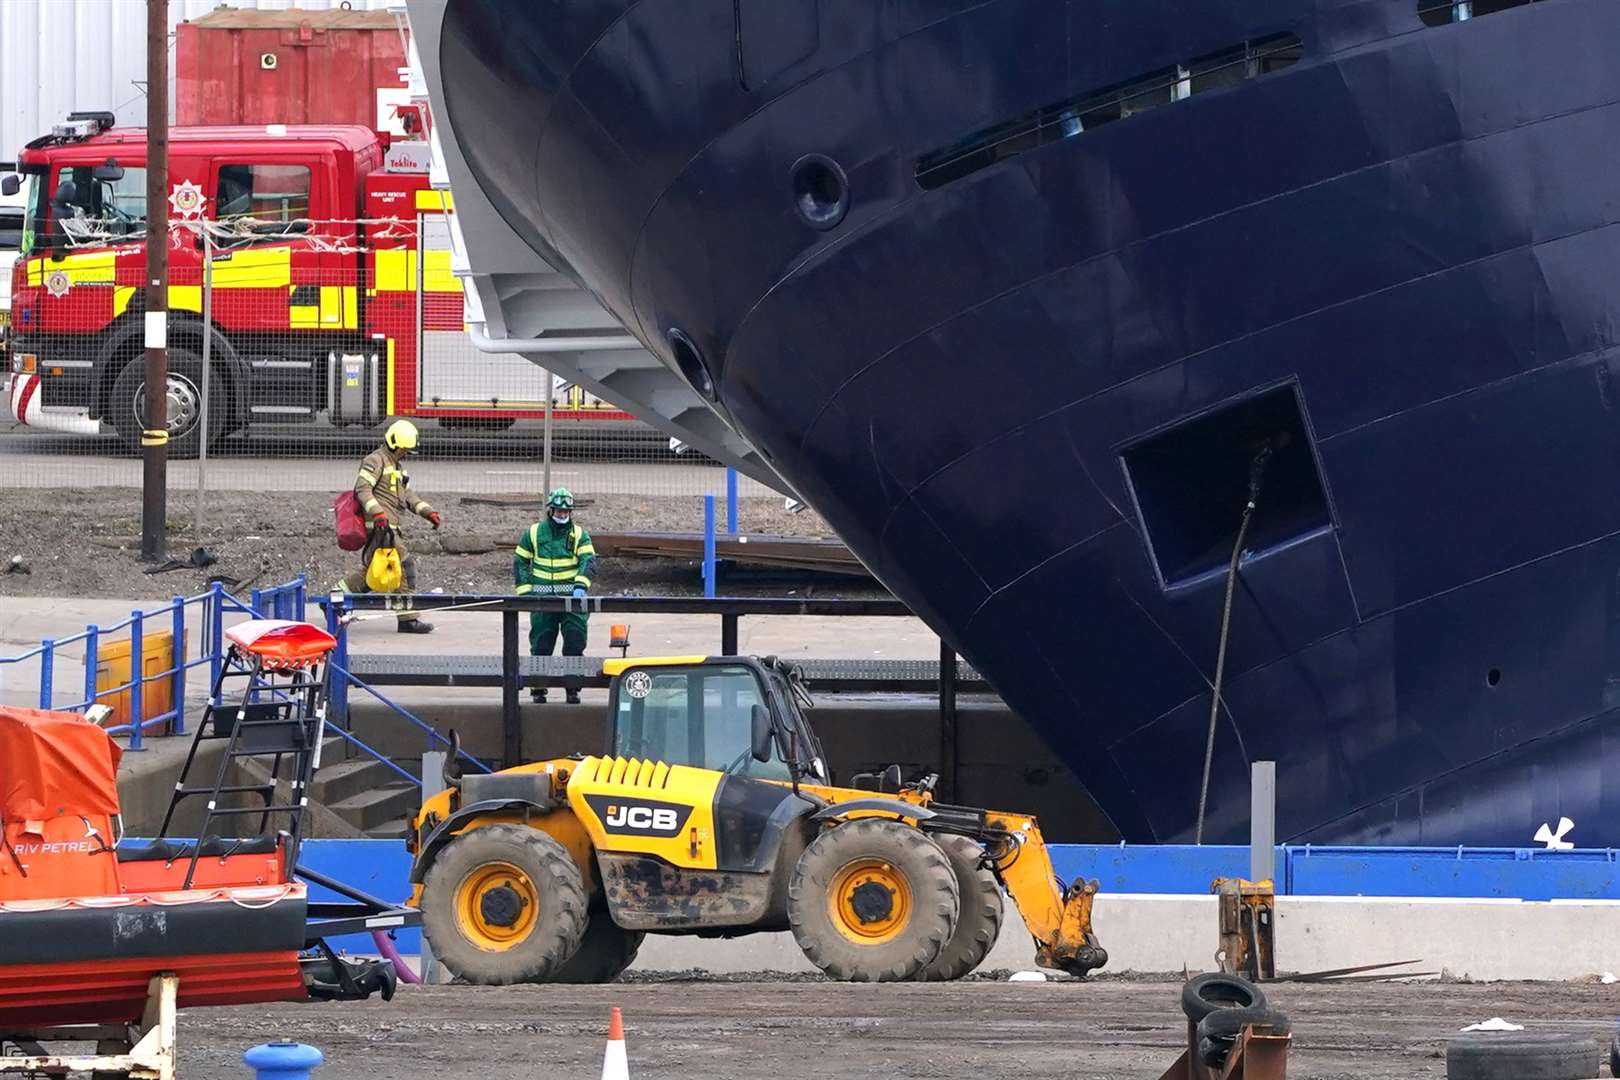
(137, 671)
(708, 546)
(300, 592)
(731, 501)
(337, 697)
(177, 653)
(215, 628)
(92, 659)
(47, 672)
(256, 602)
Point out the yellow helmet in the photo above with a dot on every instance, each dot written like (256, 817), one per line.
(401, 435)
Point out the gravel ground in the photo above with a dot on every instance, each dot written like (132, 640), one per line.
(1108, 1027)
(86, 542)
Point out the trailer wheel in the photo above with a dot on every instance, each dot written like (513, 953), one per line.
(604, 953)
(979, 923)
(873, 901)
(126, 408)
(504, 904)
(1520, 1055)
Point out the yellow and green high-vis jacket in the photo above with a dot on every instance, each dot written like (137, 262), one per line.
(551, 559)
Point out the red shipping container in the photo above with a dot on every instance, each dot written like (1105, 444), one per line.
(235, 66)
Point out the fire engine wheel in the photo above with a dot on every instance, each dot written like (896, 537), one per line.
(979, 924)
(127, 406)
(605, 952)
(504, 904)
(873, 901)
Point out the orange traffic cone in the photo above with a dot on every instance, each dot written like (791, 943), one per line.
(615, 1066)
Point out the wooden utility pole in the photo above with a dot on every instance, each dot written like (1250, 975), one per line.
(155, 437)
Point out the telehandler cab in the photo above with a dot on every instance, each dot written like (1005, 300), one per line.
(713, 813)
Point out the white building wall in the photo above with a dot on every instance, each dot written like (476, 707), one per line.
(58, 56)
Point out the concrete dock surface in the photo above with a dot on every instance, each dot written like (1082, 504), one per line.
(681, 1027)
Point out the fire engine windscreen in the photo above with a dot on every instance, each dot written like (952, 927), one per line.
(91, 203)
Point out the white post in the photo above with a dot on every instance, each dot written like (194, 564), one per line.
(207, 356)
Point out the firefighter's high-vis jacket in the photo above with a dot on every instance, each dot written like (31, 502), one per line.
(383, 486)
(551, 559)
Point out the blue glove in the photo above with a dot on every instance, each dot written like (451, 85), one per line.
(579, 591)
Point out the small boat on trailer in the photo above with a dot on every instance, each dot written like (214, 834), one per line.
(102, 940)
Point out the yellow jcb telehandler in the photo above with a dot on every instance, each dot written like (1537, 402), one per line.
(713, 813)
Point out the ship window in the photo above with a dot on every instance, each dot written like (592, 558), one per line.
(1075, 116)
(1191, 484)
(1435, 13)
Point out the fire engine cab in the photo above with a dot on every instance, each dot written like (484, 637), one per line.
(324, 299)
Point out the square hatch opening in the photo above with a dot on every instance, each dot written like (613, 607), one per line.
(1191, 483)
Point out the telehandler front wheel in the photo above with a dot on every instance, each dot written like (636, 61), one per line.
(504, 904)
(872, 901)
(605, 952)
(979, 924)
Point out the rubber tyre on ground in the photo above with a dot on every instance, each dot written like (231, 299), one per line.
(604, 953)
(1219, 1030)
(873, 901)
(1203, 994)
(978, 922)
(1521, 1055)
(185, 380)
(1614, 1055)
(504, 904)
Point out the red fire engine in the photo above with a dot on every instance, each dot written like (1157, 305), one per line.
(332, 293)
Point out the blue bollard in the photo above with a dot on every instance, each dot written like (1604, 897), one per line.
(731, 502)
(282, 1061)
(708, 546)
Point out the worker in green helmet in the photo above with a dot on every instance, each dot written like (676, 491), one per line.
(554, 557)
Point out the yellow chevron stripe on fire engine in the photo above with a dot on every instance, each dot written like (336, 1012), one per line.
(181, 298)
(254, 268)
(81, 269)
(339, 309)
(396, 271)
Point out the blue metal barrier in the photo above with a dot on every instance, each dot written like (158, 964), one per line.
(286, 601)
(434, 737)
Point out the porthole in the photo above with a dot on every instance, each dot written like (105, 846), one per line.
(690, 362)
(820, 191)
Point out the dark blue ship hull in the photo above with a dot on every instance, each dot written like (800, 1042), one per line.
(1016, 291)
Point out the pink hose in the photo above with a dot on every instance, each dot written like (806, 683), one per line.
(385, 945)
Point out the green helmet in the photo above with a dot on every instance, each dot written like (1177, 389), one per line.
(561, 499)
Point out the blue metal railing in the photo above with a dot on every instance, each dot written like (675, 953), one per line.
(288, 601)
(434, 737)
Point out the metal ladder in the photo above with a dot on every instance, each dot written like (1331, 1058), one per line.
(280, 712)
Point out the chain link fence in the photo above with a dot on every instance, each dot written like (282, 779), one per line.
(292, 344)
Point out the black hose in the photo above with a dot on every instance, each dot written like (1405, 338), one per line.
(1257, 472)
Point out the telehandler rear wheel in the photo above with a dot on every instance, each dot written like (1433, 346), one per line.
(979, 924)
(872, 901)
(605, 952)
(504, 904)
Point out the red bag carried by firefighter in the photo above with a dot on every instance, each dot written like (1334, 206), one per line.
(351, 527)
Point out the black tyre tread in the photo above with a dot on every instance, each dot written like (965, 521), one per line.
(564, 907)
(1521, 1055)
(1614, 1055)
(978, 923)
(604, 953)
(1218, 1030)
(937, 901)
(183, 359)
(1203, 994)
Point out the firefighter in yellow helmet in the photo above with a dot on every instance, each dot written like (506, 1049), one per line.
(383, 489)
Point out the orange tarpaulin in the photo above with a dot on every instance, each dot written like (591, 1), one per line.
(55, 763)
